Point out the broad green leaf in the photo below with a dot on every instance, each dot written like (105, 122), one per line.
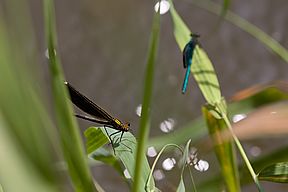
(106, 157)
(72, 146)
(126, 152)
(224, 150)
(95, 139)
(202, 68)
(144, 127)
(277, 172)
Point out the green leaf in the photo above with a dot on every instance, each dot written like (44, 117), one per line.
(277, 172)
(95, 139)
(181, 186)
(106, 157)
(201, 68)
(126, 152)
(225, 151)
(72, 146)
(144, 127)
(15, 167)
(27, 133)
(279, 155)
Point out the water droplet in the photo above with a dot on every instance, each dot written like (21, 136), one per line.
(201, 165)
(126, 174)
(164, 6)
(47, 53)
(168, 164)
(139, 110)
(255, 151)
(238, 117)
(158, 175)
(151, 152)
(167, 125)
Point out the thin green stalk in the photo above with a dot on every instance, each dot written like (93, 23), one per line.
(243, 154)
(157, 158)
(146, 103)
(192, 179)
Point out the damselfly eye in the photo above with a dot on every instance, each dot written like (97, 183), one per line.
(128, 124)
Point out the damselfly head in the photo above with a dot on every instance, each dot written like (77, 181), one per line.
(126, 126)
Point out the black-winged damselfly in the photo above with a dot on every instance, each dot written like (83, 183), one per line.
(98, 114)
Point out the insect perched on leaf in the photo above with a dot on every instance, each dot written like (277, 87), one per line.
(187, 58)
(98, 115)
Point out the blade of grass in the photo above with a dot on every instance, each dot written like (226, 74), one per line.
(209, 86)
(225, 7)
(181, 185)
(279, 155)
(246, 26)
(146, 104)
(21, 103)
(72, 146)
(277, 172)
(201, 68)
(224, 150)
(14, 166)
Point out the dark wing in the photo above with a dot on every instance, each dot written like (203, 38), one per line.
(185, 56)
(86, 105)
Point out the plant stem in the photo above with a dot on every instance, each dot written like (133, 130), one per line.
(243, 154)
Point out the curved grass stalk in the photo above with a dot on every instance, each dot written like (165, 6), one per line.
(246, 26)
(243, 154)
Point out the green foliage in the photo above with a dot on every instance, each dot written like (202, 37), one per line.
(277, 172)
(146, 103)
(201, 68)
(30, 144)
(72, 146)
(224, 150)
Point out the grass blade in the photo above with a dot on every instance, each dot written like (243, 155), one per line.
(277, 172)
(24, 118)
(202, 68)
(224, 150)
(15, 167)
(139, 184)
(70, 136)
(246, 26)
